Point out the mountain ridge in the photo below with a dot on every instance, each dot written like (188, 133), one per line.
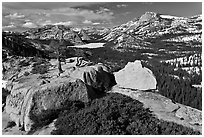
(169, 46)
(151, 25)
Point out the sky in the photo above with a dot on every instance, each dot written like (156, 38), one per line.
(19, 16)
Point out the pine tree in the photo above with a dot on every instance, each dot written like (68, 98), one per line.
(57, 46)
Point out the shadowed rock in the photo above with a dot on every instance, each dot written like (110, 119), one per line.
(96, 76)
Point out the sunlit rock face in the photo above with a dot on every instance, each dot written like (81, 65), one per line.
(135, 76)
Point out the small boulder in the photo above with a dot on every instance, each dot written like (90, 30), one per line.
(135, 76)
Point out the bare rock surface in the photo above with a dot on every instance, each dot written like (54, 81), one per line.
(148, 16)
(193, 116)
(35, 93)
(96, 76)
(9, 130)
(32, 97)
(164, 108)
(32, 94)
(135, 76)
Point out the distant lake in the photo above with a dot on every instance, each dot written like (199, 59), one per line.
(90, 45)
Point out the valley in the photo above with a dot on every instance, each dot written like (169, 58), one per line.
(141, 77)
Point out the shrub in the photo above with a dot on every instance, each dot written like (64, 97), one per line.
(44, 118)
(47, 116)
(26, 73)
(40, 66)
(24, 63)
(114, 114)
(41, 69)
(39, 61)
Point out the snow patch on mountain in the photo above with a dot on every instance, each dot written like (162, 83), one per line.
(153, 25)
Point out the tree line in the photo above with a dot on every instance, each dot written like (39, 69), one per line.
(178, 89)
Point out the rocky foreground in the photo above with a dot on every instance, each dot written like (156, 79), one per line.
(32, 91)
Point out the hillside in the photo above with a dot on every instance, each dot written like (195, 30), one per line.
(153, 25)
(102, 86)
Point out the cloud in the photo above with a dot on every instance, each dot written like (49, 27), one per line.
(5, 21)
(66, 14)
(47, 22)
(34, 17)
(27, 20)
(29, 25)
(125, 13)
(84, 13)
(106, 9)
(44, 5)
(87, 22)
(103, 10)
(14, 16)
(64, 23)
(121, 5)
(96, 23)
(9, 26)
(148, 3)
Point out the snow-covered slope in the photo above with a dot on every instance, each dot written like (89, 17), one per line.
(153, 25)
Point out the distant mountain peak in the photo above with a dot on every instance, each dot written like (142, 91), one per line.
(150, 13)
(148, 16)
(151, 25)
